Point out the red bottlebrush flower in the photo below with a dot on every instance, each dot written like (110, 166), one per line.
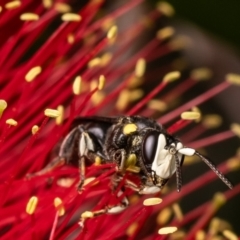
(60, 61)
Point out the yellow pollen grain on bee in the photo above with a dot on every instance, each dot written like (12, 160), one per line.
(152, 201)
(230, 235)
(87, 214)
(140, 67)
(13, 4)
(29, 17)
(218, 200)
(31, 205)
(52, 113)
(33, 73)
(35, 129)
(71, 17)
(101, 82)
(60, 118)
(47, 3)
(235, 128)
(112, 32)
(97, 161)
(171, 76)
(157, 105)
(70, 38)
(200, 74)
(167, 230)
(164, 216)
(212, 121)
(62, 7)
(190, 115)
(165, 33)
(129, 128)
(76, 87)
(177, 211)
(165, 8)
(200, 235)
(3, 106)
(11, 122)
(57, 202)
(133, 169)
(233, 78)
(94, 62)
(131, 160)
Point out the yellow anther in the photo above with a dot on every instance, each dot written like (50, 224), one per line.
(235, 127)
(101, 82)
(218, 200)
(95, 62)
(87, 214)
(106, 58)
(53, 113)
(164, 216)
(35, 129)
(112, 33)
(71, 17)
(177, 211)
(59, 205)
(200, 235)
(140, 67)
(152, 201)
(47, 3)
(60, 118)
(70, 38)
(157, 105)
(233, 78)
(13, 4)
(129, 128)
(11, 122)
(62, 7)
(233, 163)
(171, 76)
(167, 230)
(200, 74)
(131, 229)
(3, 106)
(33, 73)
(190, 115)
(31, 205)
(77, 85)
(212, 121)
(165, 8)
(165, 33)
(29, 17)
(230, 235)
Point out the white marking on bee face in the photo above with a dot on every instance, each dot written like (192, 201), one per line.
(164, 162)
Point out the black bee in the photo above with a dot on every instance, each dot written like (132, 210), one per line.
(133, 142)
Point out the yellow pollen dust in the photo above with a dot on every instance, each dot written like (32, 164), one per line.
(62, 7)
(152, 201)
(71, 17)
(101, 82)
(233, 78)
(35, 129)
(3, 106)
(129, 128)
(47, 3)
(13, 4)
(171, 76)
(230, 235)
(133, 169)
(200, 74)
(33, 73)
(140, 67)
(87, 214)
(112, 33)
(11, 122)
(70, 38)
(60, 118)
(190, 115)
(59, 205)
(157, 105)
(165, 8)
(77, 85)
(212, 121)
(29, 17)
(165, 33)
(235, 127)
(53, 113)
(167, 230)
(31, 205)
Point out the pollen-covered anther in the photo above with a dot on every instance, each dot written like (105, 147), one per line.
(157, 105)
(171, 76)
(233, 163)
(29, 17)
(129, 128)
(3, 106)
(212, 121)
(101, 82)
(218, 200)
(165, 33)
(200, 74)
(31, 205)
(112, 32)
(33, 73)
(11, 122)
(47, 3)
(165, 8)
(53, 113)
(71, 17)
(152, 201)
(35, 129)
(190, 115)
(59, 205)
(177, 211)
(233, 78)
(140, 67)
(87, 214)
(62, 7)
(95, 62)
(76, 87)
(230, 235)
(164, 216)
(235, 127)
(60, 118)
(13, 4)
(167, 230)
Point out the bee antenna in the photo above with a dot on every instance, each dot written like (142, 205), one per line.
(215, 170)
(178, 173)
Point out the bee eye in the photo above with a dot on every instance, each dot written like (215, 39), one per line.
(149, 147)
